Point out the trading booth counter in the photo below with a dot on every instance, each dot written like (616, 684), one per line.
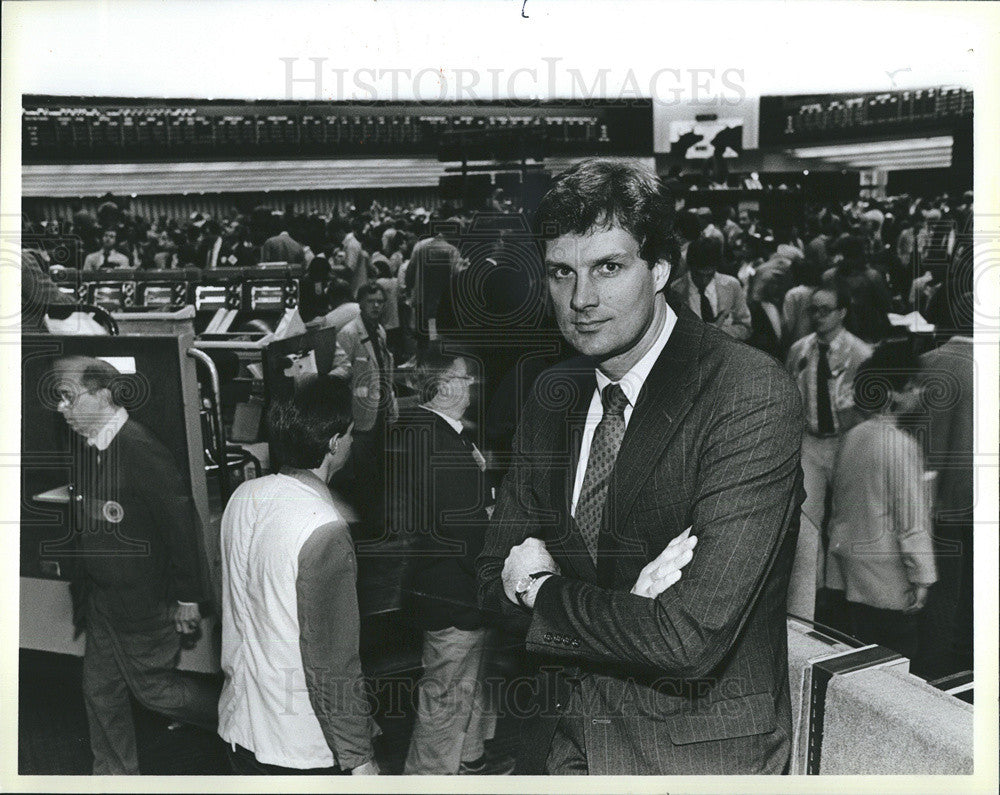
(261, 293)
(156, 321)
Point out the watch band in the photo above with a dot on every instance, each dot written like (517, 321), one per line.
(532, 577)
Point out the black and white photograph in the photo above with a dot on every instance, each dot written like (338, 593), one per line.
(514, 389)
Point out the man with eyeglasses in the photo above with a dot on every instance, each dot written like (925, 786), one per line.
(440, 496)
(138, 585)
(823, 364)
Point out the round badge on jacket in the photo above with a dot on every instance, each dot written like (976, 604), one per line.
(113, 511)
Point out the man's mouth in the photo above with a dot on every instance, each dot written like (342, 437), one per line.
(586, 326)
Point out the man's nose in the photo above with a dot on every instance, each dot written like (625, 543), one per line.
(584, 294)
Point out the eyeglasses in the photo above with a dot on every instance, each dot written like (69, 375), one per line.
(821, 311)
(69, 398)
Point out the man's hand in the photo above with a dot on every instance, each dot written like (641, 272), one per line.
(918, 598)
(369, 768)
(528, 557)
(187, 617)
(665, 569)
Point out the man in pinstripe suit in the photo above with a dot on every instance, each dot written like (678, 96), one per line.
(664, 423)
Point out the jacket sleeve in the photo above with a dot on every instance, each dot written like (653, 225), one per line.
(354, 259)
(747, 495)
(267, 252)
(329, 627)
(170, 502)
(909, 492)
(742, 326)
(792, 360)
(790, 309)
(37, 288)
(515, 518)
(342, 355)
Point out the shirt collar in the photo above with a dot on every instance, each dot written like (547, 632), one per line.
(103, 438)
(836, 343)
(451, 421)
(631, 383)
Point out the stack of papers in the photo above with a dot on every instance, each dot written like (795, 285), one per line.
(914, 321)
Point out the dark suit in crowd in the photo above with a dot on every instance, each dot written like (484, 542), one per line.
(438, 495)
(283, 248)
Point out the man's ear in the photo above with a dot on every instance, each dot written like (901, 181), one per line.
(661, 274)
(105, 395)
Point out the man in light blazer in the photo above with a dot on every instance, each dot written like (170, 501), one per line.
(714, 297)
(690, 428)
(363, 357)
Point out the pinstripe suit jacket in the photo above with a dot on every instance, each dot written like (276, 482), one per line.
(695, 681)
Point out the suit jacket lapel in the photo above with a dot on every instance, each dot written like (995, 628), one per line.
(665, 397)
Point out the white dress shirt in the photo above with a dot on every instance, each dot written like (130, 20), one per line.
(694, 296)
(631, 384)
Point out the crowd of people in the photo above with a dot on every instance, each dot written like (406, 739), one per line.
(891, 255)
(883, 549)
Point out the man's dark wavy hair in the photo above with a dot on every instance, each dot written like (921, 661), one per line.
(605, 193)
(300, 428)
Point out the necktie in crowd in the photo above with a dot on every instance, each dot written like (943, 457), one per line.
(706, 308)
(824, 411)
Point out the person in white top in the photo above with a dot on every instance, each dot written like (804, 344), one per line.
(108, 256)
(294, 699)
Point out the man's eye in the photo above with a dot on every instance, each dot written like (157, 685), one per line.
(558, 272)
(610, 267)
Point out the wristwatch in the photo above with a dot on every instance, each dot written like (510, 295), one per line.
(522, 586)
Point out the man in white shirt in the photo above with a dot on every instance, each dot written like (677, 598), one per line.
(108, 256)
(714, 297)
(823, 365)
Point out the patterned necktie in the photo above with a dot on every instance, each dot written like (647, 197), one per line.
(706, 308)
(601, 461)
(824, 411)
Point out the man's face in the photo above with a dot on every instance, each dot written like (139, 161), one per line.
(108, 240)
(702, 277)
(603, 293)
(823, 312)
(84, 411)
(455, 389)
(371, 307)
